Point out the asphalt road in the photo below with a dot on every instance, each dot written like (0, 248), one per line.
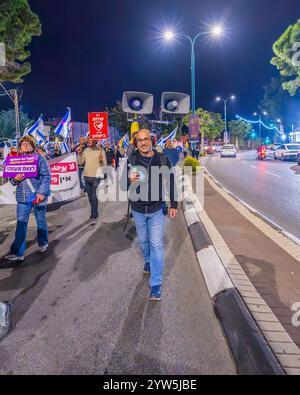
(82, 308)
(272, 187)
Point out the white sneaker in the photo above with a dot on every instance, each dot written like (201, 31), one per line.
(14, 258)
(44, 248)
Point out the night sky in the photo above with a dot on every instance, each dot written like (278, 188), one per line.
(93, 50)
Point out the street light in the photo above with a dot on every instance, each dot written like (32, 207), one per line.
(259, 117)
(219, 99)
(169, 35)
(14, 94)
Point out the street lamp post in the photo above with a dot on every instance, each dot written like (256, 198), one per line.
(15, 99)
(260, 124)
(226, 134)
(216, 31)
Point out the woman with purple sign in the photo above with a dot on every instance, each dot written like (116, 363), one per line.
(33, 189)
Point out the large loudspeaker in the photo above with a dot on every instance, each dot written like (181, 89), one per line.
(175, 103)
(137, 103)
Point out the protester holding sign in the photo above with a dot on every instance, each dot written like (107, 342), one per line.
(93, 159)
(33, 189)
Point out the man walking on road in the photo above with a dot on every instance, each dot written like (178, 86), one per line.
(78, 149)
(32, 193)
(93, 159)
(149, 214)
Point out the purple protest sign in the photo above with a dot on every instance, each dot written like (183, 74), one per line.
(24, 164)
(194, 128)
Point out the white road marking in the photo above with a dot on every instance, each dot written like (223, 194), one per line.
(272, 174)
(254, 167)
(244, 162)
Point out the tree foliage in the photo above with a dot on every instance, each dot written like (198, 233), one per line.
(274, 99)
(286, 50)
(18, 24)
(239, 129)
(8, 123)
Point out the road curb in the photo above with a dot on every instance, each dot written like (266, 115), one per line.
(5, 309)
(251, 352)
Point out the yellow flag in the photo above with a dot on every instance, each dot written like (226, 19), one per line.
(135, 127)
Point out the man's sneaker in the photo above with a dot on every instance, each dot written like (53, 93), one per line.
(14, 258)
(44, 248)
(147, 268)
(155, 294)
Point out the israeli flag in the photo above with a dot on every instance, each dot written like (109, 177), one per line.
(37, 131)
(172, 136)
(126, 141)
(64, 127)
(64, 148)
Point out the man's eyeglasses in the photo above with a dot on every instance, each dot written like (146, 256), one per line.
(145, 140)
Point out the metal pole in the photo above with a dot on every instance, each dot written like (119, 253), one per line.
(259, 131)
(226, 131)
(193, 79)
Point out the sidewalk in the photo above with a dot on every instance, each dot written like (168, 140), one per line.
(82, 308)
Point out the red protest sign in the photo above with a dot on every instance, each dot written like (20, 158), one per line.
(98, 123)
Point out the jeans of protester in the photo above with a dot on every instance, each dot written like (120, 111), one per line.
(23, 214)
(80, 171)
(91, 185)
(150, 231)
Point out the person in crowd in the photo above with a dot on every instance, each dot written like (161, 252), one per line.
(149, 214)
(57, 152)
(131, 147)
(93, 159)
(32, 193)
(197, 151)
(110, 158)
(13, 151)
(171, 153)
(185, 151)
(78, 149)
(118, 156)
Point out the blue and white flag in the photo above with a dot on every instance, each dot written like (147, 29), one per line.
(5, 152)
(37, 131)
(64, 127)
(162, 141)
(64, 148)
(87, 135)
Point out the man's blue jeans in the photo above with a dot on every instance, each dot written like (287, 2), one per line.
(150, 231)
(23, 214)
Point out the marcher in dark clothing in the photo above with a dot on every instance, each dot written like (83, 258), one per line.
(171, 153)
(79, 148)
(149, 213)
(118, 156)
(110, 155)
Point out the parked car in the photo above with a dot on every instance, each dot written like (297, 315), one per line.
(287, 151)
(228, 150)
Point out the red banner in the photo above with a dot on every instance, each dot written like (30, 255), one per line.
(98, 123)
(60, 168)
